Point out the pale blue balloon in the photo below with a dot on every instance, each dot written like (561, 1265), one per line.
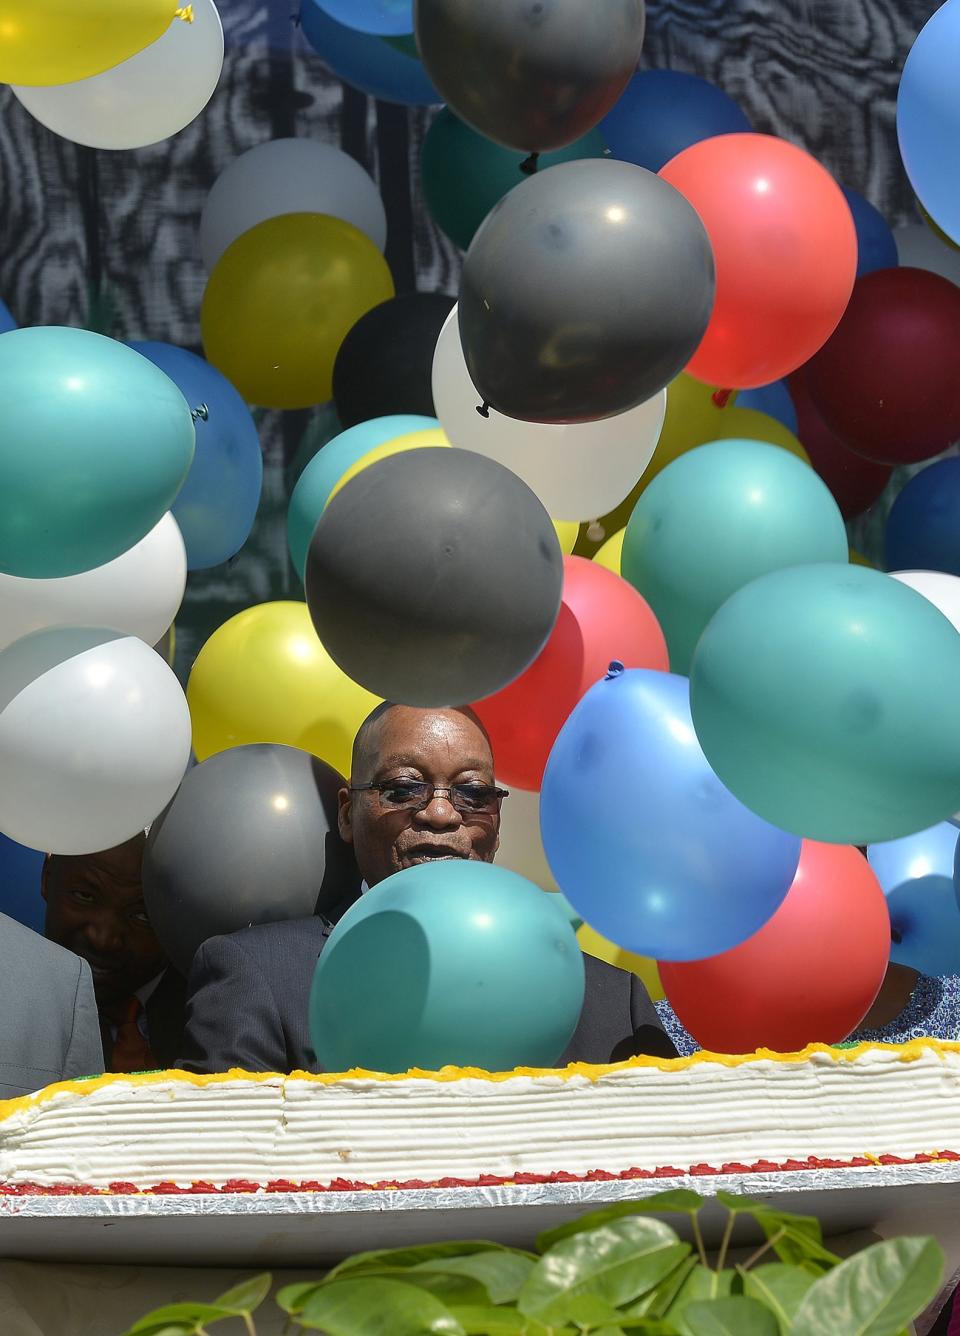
(643, 838)
(448, 963)
(373, 64)
(917, 876)
(928, 117)
(386, 18)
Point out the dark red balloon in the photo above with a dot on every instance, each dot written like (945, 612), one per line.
(810, 974)
(886, 380)
(854, 481)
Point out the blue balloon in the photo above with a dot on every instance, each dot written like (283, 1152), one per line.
(218, 502)
(20, 870)
(7, 321)
(450, 962)
(642, 837)
(662, 112)
(369, 63)
(775, 400)
(876, 248)
(386, 18)
(917, 876)
(928, 118)
(923, 528)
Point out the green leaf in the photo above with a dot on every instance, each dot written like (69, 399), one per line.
(377, 1307)
(781, 1287)
(680, 1201)
(405, 1257)
(163, 1330)
(735, 1316)
(875, 1293)
(589, 1310)
(293, 1298)
(617, 1262)
(481, 1320)
(184, 1315)
(701, 1284)
(248, 1295)
(655, 1303)
(502, 1274)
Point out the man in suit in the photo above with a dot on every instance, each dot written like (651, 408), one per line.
(95, 908)
(48, 1015)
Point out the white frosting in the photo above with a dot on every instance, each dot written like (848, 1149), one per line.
(367, 1130)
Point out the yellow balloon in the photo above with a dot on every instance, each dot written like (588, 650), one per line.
(610, 554)
(53, 42)
(642, 966)
(281, 300)
(414, 440)
(567, 532)
(265, 677)
(858, 559)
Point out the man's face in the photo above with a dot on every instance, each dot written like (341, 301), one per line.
(95, 908)
(445, 747)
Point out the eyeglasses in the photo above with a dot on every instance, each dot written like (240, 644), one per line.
(413, 795)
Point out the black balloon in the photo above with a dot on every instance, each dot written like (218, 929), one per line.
(531, 74)
(249, 837)
(434, 577)
(385, 362)
(585, 291)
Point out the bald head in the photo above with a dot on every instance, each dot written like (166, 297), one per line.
(403, 719)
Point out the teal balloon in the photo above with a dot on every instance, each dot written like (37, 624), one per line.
(465, 174)
(447, 963)
(717, 518)
(95, 444)
(328, 466)
(825, 697)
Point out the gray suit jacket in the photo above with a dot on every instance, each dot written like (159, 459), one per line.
(49, 1030)
(248, 1000)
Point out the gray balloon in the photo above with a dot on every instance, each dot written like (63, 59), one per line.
(249, 837)
(434, 577)
(530, 74)
(585, 291)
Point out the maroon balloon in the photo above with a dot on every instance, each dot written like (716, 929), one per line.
(886, 380)
(854, 481)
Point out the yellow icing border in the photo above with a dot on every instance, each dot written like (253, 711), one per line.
(908, 1052)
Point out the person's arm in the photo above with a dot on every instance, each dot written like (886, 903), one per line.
(649, 1036)
(84, 1055)
(232, 1015)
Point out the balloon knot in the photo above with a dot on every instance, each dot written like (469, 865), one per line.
(615, 669)
(484, 409)
(185, 12)
(530, 165)
(596, 532)
(202, 412)
(721, 397)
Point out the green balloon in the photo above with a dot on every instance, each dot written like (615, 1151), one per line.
(825, 698)
(466, 174)
(95, 444)
(717, 518)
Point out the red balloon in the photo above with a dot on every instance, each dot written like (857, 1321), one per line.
(887, 381)
(809, 975)
(786, 254)
(854, 481)
(602, 617)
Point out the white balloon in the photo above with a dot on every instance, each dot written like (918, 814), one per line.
(938, 588)
(137, 593)
(579, 471)
(94, 739)
(143, 100)
(289, 176)
(521, 849)
(920, 248)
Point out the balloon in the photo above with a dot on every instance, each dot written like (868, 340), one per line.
(166, 646)
(138, 593)
(942, 590)
(384, 363)
(218, 502)
(418, 440)
(662, 112)
(7, 321)
(567, 531)
(824, 698)
(521, 848)
(585, 291)
(285, 176)
(773, 400)
(281, 300)
(601, 618)
(374, 66)
(20, 872)
(810, 975)
(530, 81)
(920, 247)
(263, 676)
(643, 839)
(328, 466)
(94, 739)
(447, 963)
(577, 470)
(75, 494)
(610, 554)
(465, 174)
(434, 578)
(146, 98)
(714, 520)
(916, 874)
(938, 232)
(592, 944)
(786, 254)
(47, 42)
(856, 483)
(928, 118)
(250, 837)
(885, 383)
(876, 248)
(923, 528)
(384, 17)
